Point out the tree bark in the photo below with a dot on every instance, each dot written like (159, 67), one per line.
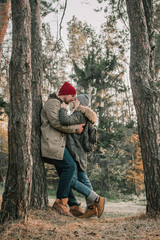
(39, 195)
(146, 97)
(17, 194)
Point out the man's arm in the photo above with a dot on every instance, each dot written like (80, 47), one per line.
(52, 108)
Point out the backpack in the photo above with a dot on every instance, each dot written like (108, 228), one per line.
(88, 137)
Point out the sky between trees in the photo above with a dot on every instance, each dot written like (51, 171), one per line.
(84, 10)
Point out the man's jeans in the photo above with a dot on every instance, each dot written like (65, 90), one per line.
(65, 169)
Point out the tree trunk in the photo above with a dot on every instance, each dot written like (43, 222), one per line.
(16, 197)
(39, 196)
(5, 7)
(145, 95)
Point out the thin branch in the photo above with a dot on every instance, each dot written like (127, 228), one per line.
(60, 25)
(6, 60)
(67, 51)
(121, 14)
(156, 28)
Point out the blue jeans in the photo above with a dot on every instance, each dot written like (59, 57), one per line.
(65, 169)
(83, 178)
(75, 183)
(68, 178)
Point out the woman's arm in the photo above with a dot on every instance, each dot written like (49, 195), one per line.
(75, 118)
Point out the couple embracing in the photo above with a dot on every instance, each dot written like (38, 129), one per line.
(65, 141)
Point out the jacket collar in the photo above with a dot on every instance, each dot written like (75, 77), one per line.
(88, 112)
(54, 95)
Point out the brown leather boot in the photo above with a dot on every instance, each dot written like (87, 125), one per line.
(76, 210)
(90, 211)
(61, 206)
(100, 203)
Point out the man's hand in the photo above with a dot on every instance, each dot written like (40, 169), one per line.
(63, 105)
(80, 128)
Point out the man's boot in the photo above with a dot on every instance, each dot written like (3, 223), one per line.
(61, 206)
(90, 211)
(100, 203)
(76, 210)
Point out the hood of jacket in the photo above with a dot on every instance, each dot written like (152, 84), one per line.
(54, 95)
(88, 112)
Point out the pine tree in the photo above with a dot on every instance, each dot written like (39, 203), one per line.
(146, 96)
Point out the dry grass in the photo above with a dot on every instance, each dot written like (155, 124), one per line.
(48, 224)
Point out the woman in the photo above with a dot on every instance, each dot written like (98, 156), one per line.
(79, 145)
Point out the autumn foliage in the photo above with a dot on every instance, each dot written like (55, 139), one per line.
(4, 16)
(135, 176)
(3, 145)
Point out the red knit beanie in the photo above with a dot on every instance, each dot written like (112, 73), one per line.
(67, 89)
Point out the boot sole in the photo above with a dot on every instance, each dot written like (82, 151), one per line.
(94, 215)
(76, 215)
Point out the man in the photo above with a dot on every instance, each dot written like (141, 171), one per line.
(53, 143)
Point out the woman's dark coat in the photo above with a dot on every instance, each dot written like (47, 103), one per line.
(81, 115)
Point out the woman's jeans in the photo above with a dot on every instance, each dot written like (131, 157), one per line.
(83, 178)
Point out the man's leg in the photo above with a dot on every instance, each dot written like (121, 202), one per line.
(75, 208)
(71, 198)
(65, 169)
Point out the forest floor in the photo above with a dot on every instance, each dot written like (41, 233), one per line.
(120, 221)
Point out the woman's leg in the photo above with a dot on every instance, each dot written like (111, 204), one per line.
(82, 177)
(82, 188)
